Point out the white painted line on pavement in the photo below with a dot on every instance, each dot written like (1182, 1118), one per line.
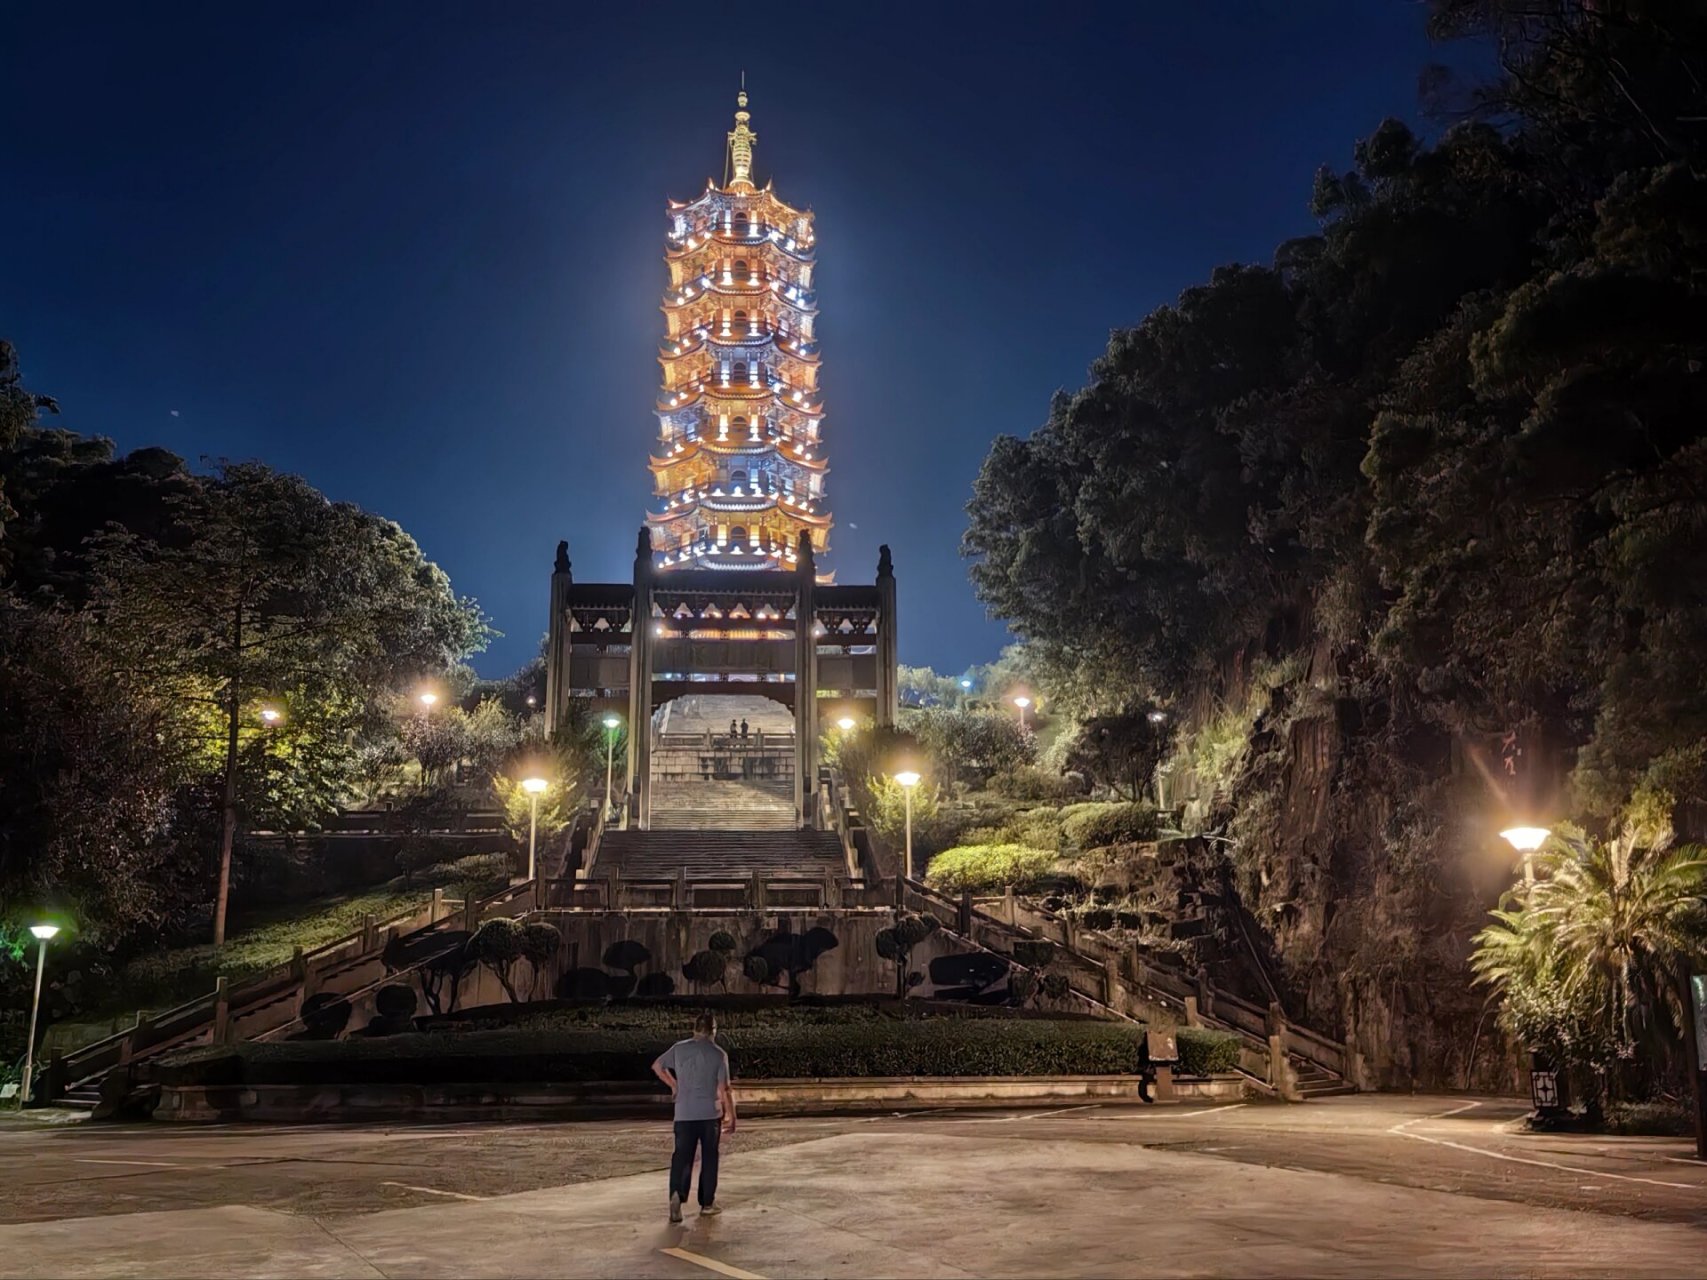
(152, 1164)
(1402, 1130)
(434, 1191)
(712, 1264)
(1210, 1111)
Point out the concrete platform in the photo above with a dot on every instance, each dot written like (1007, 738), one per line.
(1422, 1187)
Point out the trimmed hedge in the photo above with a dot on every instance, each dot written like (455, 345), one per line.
(986, 868)
(881, 1047)
(1203, 1052)
(1097, 826)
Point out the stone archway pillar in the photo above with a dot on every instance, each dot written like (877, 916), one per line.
(806, 686)
(640, 686)
(888, 685)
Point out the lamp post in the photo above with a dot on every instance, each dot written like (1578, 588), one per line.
(846, 724)
(535, 787)
(427, 699)
(612, 724)
(1022, 702)
(42, 933)
(908, 780)
(1526, 840)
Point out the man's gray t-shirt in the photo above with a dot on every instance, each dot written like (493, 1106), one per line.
(699, 1067)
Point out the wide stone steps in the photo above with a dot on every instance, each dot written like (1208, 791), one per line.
(646, 855)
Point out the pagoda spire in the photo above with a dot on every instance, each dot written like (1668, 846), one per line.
(741, 140)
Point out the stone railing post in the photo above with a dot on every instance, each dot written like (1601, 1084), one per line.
(832, 894)
(757, 891)
(612, 886)
(1010, 912)
(679, 893)
(221, 1010)
(1192, 1017)
(436, 911)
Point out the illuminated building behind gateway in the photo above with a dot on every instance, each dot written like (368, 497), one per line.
(739, 470)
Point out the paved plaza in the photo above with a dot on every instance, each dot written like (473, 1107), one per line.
(1356, 1186)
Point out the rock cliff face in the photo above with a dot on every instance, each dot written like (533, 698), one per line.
(1354, 863)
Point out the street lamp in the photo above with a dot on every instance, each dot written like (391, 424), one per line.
(535, 787)
(42, 932)
(846, 724)
(908, 779)
(272, 717)
(1156, 717)
(1526, 840)
(427, 700)
(612, 724)
(1022, 702)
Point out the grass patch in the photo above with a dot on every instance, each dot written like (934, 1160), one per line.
(262, 940)
(874, 1047)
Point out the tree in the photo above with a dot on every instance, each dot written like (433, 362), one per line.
(19, 409)
(540, 943)
(896, 944)
(1121, 751)
(498, 944)
(268, 591)
(92, 771)
(1590, 960)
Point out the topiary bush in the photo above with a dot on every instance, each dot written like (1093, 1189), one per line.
(1203, 1052)
(722, 941)
(706, 968)
(1097, 826)
(498, 945)
(986, 868)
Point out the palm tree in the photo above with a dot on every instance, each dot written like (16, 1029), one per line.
(1603, 939)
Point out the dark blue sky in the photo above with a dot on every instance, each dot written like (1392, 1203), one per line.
(414, 251)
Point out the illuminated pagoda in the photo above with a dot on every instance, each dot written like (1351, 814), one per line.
(739, 468)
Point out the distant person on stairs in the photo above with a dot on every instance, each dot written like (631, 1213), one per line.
(743, 728)
(697, 1072)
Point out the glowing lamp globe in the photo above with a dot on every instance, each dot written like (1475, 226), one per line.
(611, 722)
(907, 778)
(1525, 839)
(846, 724)
(44, 931)
(534, 786)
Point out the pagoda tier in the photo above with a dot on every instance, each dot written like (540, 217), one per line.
(739, 468)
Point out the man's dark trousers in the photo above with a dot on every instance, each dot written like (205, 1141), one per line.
(690, 1134)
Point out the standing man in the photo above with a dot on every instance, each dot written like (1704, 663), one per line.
(697, 1072)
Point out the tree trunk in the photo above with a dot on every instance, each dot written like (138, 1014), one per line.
(228, 827)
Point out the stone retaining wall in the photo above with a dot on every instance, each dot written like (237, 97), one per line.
(440, 1102)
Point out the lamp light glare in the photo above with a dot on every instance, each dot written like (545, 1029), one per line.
(907, 778)
(44, 931)
(534, 786)
(1525, 839)
(846, 724)
(611, 722)
(1022, 702)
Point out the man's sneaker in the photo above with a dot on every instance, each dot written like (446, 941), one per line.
(675, 1207)
(710, 1210)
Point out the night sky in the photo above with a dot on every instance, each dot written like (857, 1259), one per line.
(414, 251)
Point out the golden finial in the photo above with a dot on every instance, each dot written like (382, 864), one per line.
(741, 140)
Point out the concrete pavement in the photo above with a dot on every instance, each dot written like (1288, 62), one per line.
(1353, 1186)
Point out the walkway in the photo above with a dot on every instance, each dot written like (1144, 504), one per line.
(1405, 1186)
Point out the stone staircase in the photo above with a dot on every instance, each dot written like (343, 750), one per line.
(691, 804)
(735, 855)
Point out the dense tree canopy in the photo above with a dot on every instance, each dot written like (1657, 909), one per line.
(1463, 421)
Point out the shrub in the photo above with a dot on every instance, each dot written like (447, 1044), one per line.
(1203, 1052)
(1034, 785)
(986, 868)
(1097, 826)
(948, 1046)
(722, 941)
(395, 1002)
(706, 968)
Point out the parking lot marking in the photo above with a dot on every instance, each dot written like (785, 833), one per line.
(433, 1191)
(1403, 1130)
(712, 1264)
(1209, 1111)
